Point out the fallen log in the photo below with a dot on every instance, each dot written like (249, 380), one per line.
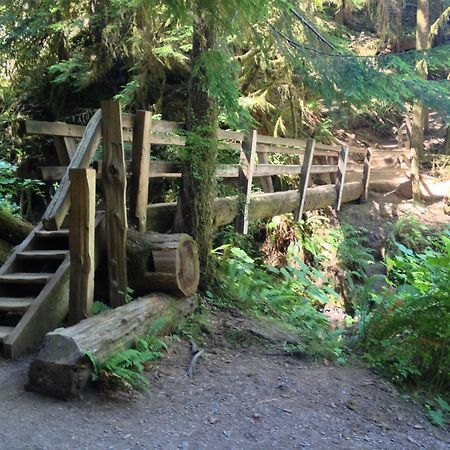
(162, 262)
(13, 230)
(160, 216)
(62, 368)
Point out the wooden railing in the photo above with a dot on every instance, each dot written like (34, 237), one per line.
(254, 149)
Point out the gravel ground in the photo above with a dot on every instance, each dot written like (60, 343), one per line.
(252, 399)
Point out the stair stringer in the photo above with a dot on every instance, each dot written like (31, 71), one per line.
(45, 314)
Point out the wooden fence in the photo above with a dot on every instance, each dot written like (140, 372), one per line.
(76, 146)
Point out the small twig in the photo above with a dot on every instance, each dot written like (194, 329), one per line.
(194, 361)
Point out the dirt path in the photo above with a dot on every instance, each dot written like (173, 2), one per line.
(252, 399)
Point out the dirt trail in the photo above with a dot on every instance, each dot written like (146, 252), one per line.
(248, 399)
(245, 398)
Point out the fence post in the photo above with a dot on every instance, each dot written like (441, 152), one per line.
(266, 182)
(304, 178)
(366, 176)
(81, 243)
(245, 181)
(140, 168)
(114, 185)
(340, 178)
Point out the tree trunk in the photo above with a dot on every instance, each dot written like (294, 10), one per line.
(13, 230)
(62, 368)
(419, 113)
(162, 262)
(447, 141)
(194, 212)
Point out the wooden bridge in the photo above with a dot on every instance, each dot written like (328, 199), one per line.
(34, 282)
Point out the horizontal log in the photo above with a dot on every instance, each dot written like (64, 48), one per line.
(63, 370)
(160, 216)
(292, 151)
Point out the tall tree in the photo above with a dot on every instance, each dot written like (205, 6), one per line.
(195, 202)
(417, 138)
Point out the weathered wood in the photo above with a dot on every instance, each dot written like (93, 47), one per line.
(162, 262)
(140, 168)
(366, 176)
(114, 186)
(61, 150)
(77, 131)
(340, 178)
(266, 181)
(60, 203)
(12, 229)
(160, 216)
(81, 243)
(51, 305)
(261, 148)
(304, 178)
(245, 182)
(63, 370)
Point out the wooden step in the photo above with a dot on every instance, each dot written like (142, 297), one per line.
(5, 332)
(52, 234)
(26, 278)
(15, 303)
(43, 254)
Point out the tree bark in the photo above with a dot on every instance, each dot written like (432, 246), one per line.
(194, 212)
(419, 113)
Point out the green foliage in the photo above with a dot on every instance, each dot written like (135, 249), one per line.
(287, 294)
(98, 307)
(438, 411)
(11, 188)
(408, 334)
(125, 369)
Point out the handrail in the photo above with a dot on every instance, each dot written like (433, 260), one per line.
(59, 205)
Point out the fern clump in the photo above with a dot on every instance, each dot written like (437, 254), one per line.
(408, 333)
(125, 369)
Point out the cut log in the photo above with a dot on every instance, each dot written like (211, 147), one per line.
(162, 262)
(12, 230)
(160, 216)
(62, 368)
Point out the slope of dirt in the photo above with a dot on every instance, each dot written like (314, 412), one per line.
(253, 398)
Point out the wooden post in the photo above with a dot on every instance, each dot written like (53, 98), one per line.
(266, 182)
(340, 179)
(246, 170)
(304, 178)
(114, 185)
(81, 243)
(65, 148)
(140, 168)
(366, 176)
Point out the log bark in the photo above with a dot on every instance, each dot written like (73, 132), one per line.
(63, 370)
(262, 206)
(162, 262)
(12, 230)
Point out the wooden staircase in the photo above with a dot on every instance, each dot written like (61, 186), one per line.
(34, 289)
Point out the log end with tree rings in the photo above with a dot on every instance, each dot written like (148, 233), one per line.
(163, 262)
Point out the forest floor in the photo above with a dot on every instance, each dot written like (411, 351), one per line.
(245, 393)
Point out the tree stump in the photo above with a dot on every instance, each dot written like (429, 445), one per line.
(162, 262)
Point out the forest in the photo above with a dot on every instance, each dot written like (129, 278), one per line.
(196, 183)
